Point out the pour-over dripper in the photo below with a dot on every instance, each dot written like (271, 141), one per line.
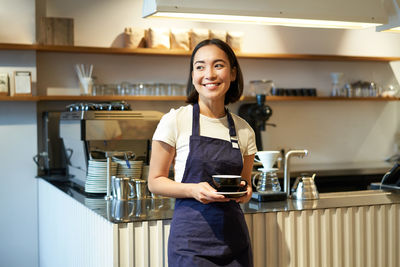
(267, 158)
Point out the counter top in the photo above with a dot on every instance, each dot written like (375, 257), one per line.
(162, 208)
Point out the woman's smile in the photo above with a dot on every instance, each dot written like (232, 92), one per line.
(211, 85)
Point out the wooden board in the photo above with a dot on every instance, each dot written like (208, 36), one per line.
(56, 31)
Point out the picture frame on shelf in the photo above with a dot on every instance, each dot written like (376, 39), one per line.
(4, 84)
(22, 83)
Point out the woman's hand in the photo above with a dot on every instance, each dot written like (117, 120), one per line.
(245, 198)
(205, 193)
(248, 161)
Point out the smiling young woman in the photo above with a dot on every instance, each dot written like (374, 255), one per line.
(204, 139)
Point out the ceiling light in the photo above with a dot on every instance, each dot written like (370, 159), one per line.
(266, 20)
(300, 13)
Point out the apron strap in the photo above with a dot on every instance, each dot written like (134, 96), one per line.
(196, 118)
(196, 125)
(232, 131)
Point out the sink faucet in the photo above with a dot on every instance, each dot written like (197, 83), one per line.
(286, 175)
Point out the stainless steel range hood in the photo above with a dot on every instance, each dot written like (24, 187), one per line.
(299, 13)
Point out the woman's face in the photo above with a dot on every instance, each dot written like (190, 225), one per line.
(212, 73)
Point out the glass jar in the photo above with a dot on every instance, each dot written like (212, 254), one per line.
(260, 87)
(267, 182)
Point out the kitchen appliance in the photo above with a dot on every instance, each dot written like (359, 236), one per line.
(304, 188)
(52, 156)
(96, 131)
(256, 114)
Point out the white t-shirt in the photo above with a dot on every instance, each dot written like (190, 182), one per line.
(175, 129)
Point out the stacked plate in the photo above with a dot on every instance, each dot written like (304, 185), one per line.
(96, 178)
(133, 170)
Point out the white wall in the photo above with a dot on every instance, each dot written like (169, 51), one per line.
(17, 20)
(18, 144)
(18, 192)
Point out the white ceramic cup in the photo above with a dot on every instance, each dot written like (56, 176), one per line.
(267, 158)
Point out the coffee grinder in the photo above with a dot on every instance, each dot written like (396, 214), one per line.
(257, 114)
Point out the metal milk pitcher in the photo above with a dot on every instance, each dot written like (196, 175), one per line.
(267, 182)
(123, 188)
(140, 188)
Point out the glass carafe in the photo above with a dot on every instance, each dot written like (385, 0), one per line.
(267, 182)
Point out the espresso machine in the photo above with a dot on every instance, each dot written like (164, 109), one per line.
(97, 131)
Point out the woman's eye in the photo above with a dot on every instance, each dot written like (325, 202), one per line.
(199, 67)
(219, 66)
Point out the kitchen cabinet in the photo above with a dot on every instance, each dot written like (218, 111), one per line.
(180, 53)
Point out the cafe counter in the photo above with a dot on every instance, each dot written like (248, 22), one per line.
(340, 229)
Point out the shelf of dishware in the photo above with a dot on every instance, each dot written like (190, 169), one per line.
(183, 98)
(174, 52)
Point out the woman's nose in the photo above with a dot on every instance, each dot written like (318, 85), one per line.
(210, 73)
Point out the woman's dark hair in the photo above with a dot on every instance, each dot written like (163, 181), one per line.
(236, 87)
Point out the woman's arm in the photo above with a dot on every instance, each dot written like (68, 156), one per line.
(162, 156)
(248, 162)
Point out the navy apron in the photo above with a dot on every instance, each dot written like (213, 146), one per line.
(213, 234)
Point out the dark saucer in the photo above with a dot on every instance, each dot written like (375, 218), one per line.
(232, 194)
(230, 188)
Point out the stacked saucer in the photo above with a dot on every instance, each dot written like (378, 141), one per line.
(96, 178)
(132, 168)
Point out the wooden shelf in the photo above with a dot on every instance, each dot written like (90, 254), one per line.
(19, 98)
(328, 98)
(4, 46)
(183, 98)
(171, 52)
(111, 98)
